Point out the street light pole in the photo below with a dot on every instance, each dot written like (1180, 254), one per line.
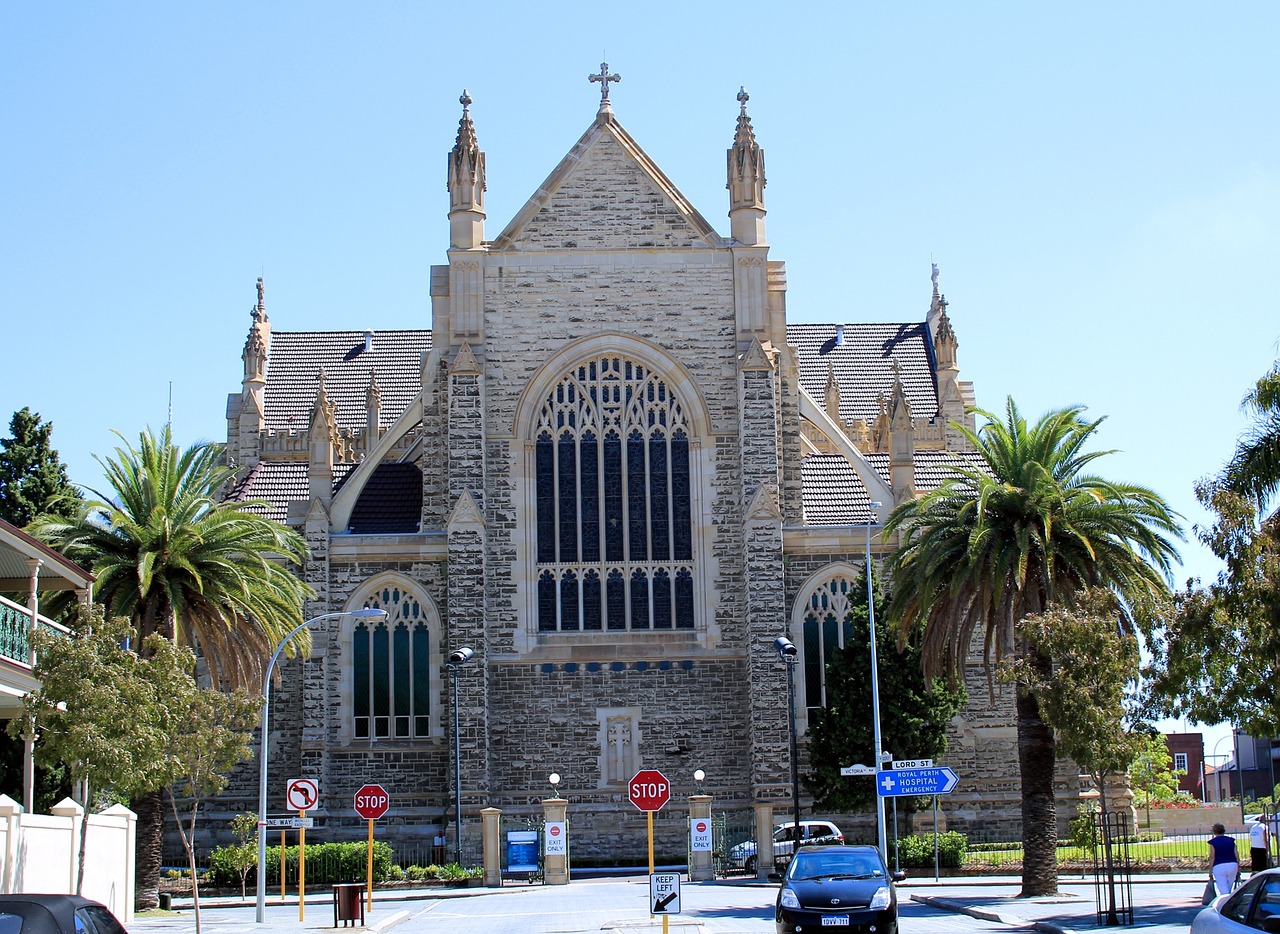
(875, 687)
(788, 653)
(366, 613)
(456, 661)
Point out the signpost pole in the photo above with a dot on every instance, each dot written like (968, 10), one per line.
(302, 868)
(282, 854)
(369, 872)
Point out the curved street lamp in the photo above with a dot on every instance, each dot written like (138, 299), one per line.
(788, 652)
(456, 660)
(366, 613)
(875, 689)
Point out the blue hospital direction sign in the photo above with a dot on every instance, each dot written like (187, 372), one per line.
(898, 783)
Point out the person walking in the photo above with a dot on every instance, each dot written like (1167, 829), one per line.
(1259, 844)
(1224, 864)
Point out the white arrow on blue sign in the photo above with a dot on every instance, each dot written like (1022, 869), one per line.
(897, 783)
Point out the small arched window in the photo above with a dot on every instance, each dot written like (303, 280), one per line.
(391, 668)
(613, 527)
(825, 629)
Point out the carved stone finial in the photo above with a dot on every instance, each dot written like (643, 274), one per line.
(743, 97)
(465, 101)
(603, 79)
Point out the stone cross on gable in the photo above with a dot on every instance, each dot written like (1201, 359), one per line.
(604, 78)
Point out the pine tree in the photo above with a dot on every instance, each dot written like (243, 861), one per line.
(33, 478)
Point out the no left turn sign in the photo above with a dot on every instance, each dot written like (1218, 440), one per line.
(301, 794)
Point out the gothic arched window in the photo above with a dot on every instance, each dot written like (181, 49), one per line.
(391, 669)
(825, 629)
(613, 500)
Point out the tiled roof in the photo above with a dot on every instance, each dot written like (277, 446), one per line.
(863, 365)
(832, 494)
(279, 482)
(297, 356)
(390, 502)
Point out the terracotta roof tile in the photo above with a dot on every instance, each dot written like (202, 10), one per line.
(863, 365)
(279, 483)
(832, 494)
(391, 501)
(297, 356)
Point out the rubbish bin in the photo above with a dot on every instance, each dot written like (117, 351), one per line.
(348, 903)
(166, 901)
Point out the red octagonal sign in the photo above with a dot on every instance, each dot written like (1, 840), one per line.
(649, 790)
(372, 802)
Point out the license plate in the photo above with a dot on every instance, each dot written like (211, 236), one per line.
(835, 921)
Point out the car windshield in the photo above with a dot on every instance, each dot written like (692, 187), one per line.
(835, 867)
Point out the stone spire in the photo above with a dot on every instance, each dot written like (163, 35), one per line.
(321, 437)
(746, 180)
(373, 412)
(902, 443)
(944, 340)
(466, 184)
(832, 395)
(251, 418)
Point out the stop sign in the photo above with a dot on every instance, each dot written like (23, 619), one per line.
(372, 802)
(649, 790)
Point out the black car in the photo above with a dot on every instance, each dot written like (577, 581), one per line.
(55, 914)
(845, 887)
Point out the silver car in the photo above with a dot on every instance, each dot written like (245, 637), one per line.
(743, 856)
(1255, 906)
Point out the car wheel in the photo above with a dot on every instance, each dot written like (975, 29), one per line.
(751, 865)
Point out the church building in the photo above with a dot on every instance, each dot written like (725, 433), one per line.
(611, 468)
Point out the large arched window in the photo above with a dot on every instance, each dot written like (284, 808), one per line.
(614, 538)
(825, 628)
(391, 668)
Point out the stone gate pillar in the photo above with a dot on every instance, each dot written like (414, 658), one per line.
(555, 866)
(700, 866)
(764, 839)
(491, 833)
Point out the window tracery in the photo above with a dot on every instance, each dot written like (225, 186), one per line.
(391, 668)
(825, 629)
(613, 525)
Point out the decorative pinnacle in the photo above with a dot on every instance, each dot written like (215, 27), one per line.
(259, 311)
(745, 137)
(466, 141)
(604, 78)
(465, 100)
(743, 97)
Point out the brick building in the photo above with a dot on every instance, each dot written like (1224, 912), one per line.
(610, 466)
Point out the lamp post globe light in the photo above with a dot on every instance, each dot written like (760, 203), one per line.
(366, 613)
(457, 659)
(875, 686)
(554, 779)
(788, 652)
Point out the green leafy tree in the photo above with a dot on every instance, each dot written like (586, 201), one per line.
(208, 734)
(242, 856)
(33, 478)
(1153, 776)
(97, 709)
(1023, 531)
(1096, 662)
(1254, 470)
(178, 561)
(913, 712)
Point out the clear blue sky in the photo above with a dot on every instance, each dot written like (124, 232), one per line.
(1099, 183)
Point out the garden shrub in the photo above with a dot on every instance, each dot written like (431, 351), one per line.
(917, 852)
(327, 863)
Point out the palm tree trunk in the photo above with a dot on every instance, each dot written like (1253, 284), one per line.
(1036, 760)
(150, 847)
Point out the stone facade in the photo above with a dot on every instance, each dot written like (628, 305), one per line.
(632, 479)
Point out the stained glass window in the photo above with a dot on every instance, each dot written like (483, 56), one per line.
(826, 629)
(390, 669)
(613, 502)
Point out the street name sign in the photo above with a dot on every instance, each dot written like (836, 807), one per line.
(898, 783)
(664, 893)
(291, 823)
(857, 770)
(912, 763)
(649, 790)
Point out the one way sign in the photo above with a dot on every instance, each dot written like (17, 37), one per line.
(896, 783)
(664, 893)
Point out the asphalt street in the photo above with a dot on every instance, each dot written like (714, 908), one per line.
(620, 905)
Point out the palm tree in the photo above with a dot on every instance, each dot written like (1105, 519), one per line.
(177, 560)
(1022, 531)
(1254, 469)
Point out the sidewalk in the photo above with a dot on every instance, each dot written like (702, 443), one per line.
(1162, 904)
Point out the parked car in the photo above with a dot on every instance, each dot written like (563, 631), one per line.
(837, 886)
(55, 914)
(812, 832)
(1255, 906)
